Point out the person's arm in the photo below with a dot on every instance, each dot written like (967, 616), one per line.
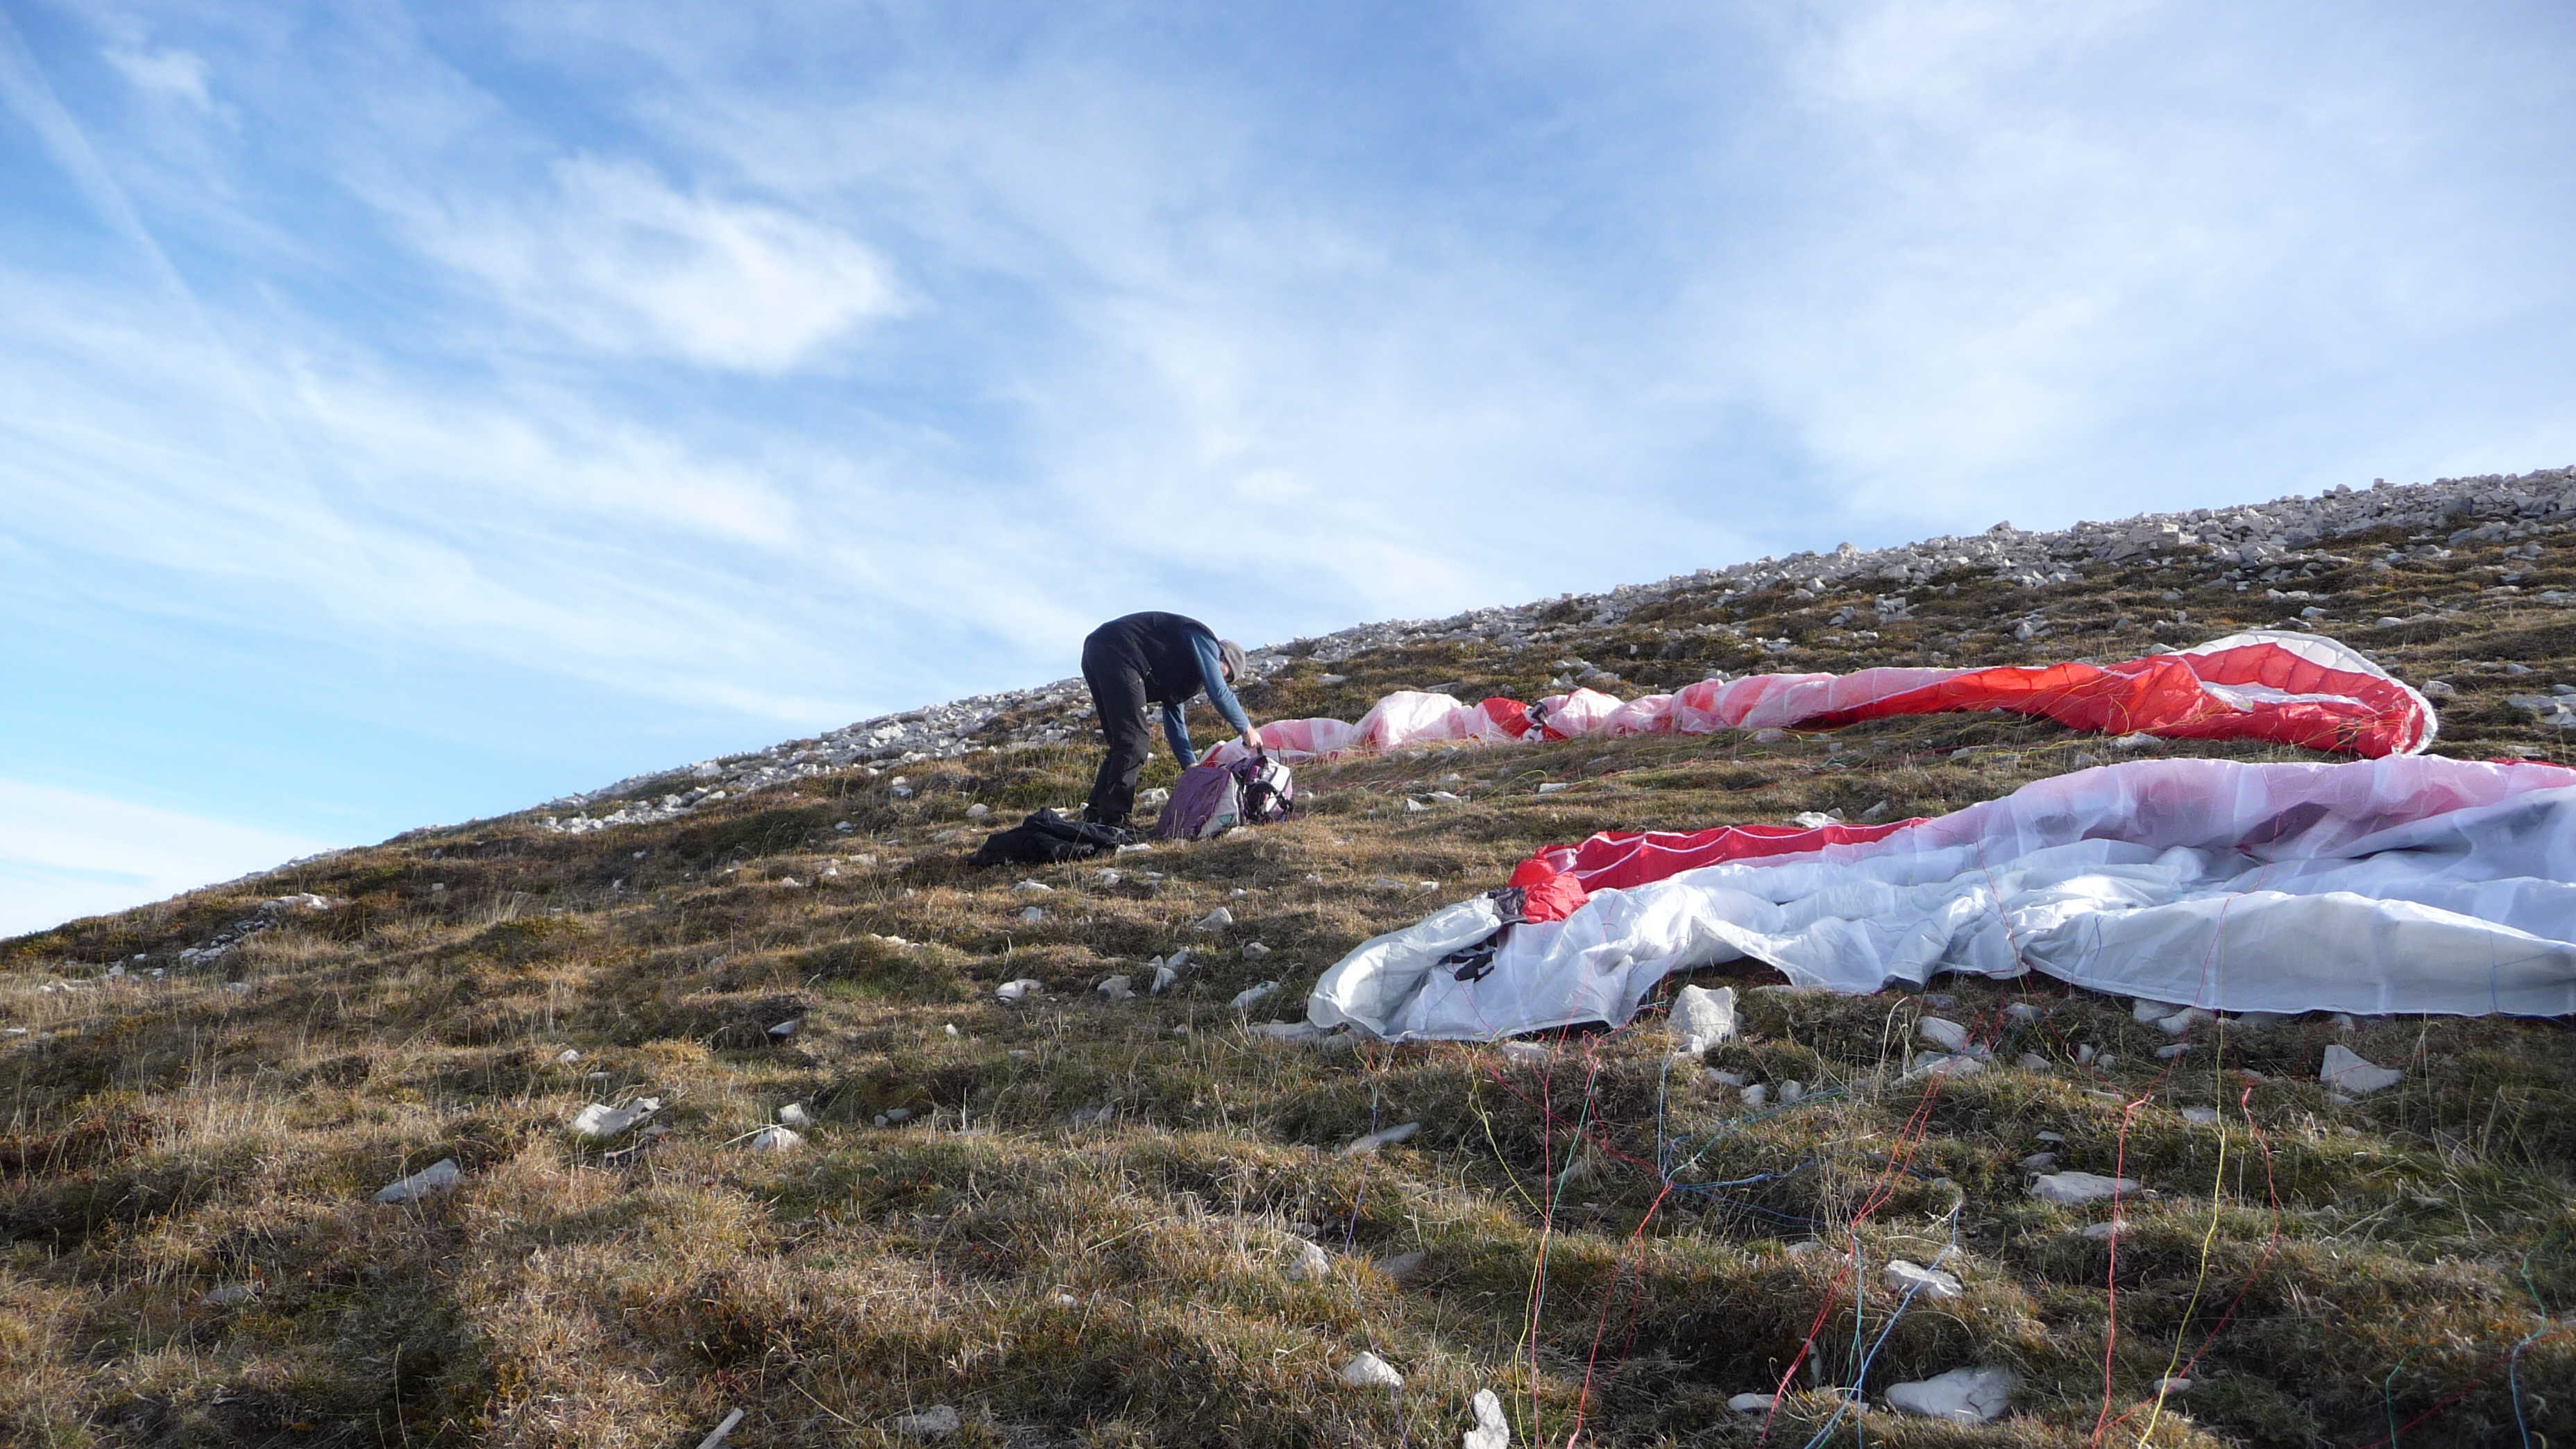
(1176, 733)
(1212, 675)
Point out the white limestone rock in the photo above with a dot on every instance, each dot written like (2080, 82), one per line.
(1368, 1371)
(2068, 1189)
(601, 1120)
(2348, 1071)
(1961, 1396)
(1702, 1018)
(435, 1178)
(1939, 1064)
(1904, 1277)
(1307, 1263)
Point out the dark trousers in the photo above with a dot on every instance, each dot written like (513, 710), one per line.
(1118, 693)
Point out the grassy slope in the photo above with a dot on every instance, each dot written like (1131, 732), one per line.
(1078, 1236)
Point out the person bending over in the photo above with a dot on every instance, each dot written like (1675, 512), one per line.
(1163, 659)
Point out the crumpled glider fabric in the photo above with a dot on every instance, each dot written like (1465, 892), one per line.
(2283, 687)
(1624, 858)
(2388, 886)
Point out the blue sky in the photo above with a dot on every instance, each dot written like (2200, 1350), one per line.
(413, 413)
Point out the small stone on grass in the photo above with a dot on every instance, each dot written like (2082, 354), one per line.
(1368, 1371)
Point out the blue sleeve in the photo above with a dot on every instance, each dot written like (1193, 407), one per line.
(1176, 733)
(1212, 674)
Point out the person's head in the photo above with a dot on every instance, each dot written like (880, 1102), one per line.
(1230, 655)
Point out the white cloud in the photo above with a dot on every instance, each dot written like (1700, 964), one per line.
(1939, 60)
(175, 73)
(65, 854)
(614, 257)
(1387, 396)
(516, 520)
(2031, 260)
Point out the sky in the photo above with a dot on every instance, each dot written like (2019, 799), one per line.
(411, 413)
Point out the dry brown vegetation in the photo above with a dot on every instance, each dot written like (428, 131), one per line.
(1075, 1224)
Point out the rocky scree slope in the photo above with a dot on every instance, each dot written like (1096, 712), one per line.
(771, 1104)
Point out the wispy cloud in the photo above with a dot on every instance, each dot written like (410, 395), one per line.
(617, 259)
(66, 854)
(173, 73)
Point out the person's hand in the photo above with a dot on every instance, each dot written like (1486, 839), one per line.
(1252, 741)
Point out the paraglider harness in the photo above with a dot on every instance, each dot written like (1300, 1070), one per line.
(1209, 800)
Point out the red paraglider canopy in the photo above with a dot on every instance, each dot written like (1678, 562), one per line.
(2278, 687)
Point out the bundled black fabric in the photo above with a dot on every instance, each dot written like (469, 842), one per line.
(1046, 838)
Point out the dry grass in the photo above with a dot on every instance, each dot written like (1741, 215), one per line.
(1077, 1233)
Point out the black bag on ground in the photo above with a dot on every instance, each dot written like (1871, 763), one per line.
(1047, 838)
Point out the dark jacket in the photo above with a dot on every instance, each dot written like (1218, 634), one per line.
(1176, 658)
